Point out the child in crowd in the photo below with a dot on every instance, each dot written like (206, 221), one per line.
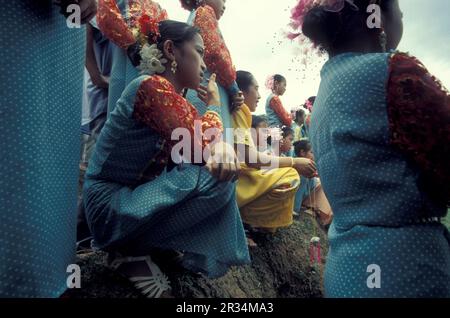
(297, 126)
(286, 143)
(310, 194)
(277, 116)
(309, 104)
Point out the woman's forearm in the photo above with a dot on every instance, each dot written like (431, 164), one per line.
(91, 62)
(257, 160)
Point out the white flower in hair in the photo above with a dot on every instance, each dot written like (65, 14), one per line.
(152, 61)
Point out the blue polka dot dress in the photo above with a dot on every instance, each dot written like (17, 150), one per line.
(40, 113)
(379, 244)
(122, 71)
(272, 118)
(183, 209)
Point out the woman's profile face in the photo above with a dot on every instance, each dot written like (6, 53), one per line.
(286, 143)
(280, 88)
(300, 119)
(191, 67)
(252, 96)
(307, 154)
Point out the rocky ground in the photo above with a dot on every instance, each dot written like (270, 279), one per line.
(280, 268)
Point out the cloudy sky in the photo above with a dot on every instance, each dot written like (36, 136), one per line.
(253, 30)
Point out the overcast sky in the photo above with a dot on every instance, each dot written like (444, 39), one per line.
(253, 30)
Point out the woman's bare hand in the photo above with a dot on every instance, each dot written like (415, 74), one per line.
(223, 163)
(305, 167)
(237, 101)
(210, 94)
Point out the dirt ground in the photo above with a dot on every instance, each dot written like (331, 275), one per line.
(280, 269)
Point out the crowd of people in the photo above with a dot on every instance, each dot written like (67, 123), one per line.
(366, 156)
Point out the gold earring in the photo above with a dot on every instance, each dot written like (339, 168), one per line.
(174, 67)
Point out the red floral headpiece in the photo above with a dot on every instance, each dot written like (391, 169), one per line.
(299, 12)
(149, 27)
(144, 19)
(270, 82)
(308, 105)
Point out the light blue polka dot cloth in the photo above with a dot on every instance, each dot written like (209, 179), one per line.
(42, 63)
(228, 137)
(373, 191)
(184, 209)
(305, 190)
(122, 72)
(272, 118)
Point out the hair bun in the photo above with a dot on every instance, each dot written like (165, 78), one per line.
(191, 4)
(321, 26)
(134, 55)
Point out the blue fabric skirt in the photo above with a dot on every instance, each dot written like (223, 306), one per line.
(414, 262)
(40, 115)
(184, 209)
(122, 74)
(307, 186)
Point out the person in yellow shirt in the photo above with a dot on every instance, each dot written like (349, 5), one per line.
(297, 126)
(265, 196)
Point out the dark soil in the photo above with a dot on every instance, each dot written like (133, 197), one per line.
(280, 269)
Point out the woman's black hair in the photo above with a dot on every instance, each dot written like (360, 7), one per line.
(191, 4)
(300, 145)
(177, 32)
(279, 78)
(334, 31)
(257, 120)
(299, 113)
(312, 99)
(286, 131)
(244, 80)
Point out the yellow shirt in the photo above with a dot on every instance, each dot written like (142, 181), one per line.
(265, 198)
(242, 124)
(297, 132)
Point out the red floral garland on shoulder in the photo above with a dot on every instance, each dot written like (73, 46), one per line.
(217, 56)
(419, 120)
(160, 107)
(144, 15)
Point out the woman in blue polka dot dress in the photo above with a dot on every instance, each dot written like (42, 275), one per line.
(40, 115)
(137, 199)
(380, 134)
